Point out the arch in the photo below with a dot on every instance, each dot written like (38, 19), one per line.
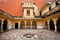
(52, 26)
(34, 25)
(22, 25)
(57, 3)
(5, 22)
(28, 25)
(46, 25)
(58, 24)
(0, 24)
(28, 12)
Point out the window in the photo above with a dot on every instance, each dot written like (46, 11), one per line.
(34, 13)
(28, 12)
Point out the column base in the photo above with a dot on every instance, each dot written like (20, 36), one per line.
(55, 30)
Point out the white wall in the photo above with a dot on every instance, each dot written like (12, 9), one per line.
(53, 5)
(9, 25)
(39, 25)
(36, 10)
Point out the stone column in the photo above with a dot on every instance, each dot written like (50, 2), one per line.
(2, 26)
(31, 24)
(19, 25)
(55, 25)
(25, 24)
(13, 25)
(48, 25)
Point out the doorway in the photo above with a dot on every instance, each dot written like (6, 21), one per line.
(16, 25)
(52, 26)
(5, 25)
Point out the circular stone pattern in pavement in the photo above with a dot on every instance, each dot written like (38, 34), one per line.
(29, 36)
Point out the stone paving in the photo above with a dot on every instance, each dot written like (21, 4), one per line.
(30, 35)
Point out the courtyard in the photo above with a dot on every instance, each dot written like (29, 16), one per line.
(30, 34)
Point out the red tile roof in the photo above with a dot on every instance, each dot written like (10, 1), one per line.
(14, 8)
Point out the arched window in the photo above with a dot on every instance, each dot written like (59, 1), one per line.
(28, 24)
(22, 25)
(28, 12)
(34, 25)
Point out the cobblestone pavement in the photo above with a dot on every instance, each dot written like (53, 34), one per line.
(37, 35)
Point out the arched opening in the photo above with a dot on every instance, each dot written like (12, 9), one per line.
(0, 24)
(28, 25)
(52, 26)
(34, 25)
(22, 25)
(5, 25)
(46, 25)
(58, 24)
(28, 12)
(57, 3)
(16, 25)
(34, 13)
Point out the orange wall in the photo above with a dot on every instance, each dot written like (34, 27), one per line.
(13, 7)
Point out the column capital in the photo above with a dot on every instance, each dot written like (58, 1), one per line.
(55, 22)
(31, 21)
(2, 19)
(24, 21)
(19, 22)
(48, 20)
(55, 19)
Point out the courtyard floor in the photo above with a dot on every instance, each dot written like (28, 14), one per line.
(29, 35)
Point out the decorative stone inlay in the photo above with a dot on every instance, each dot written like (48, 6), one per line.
(29, 36)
